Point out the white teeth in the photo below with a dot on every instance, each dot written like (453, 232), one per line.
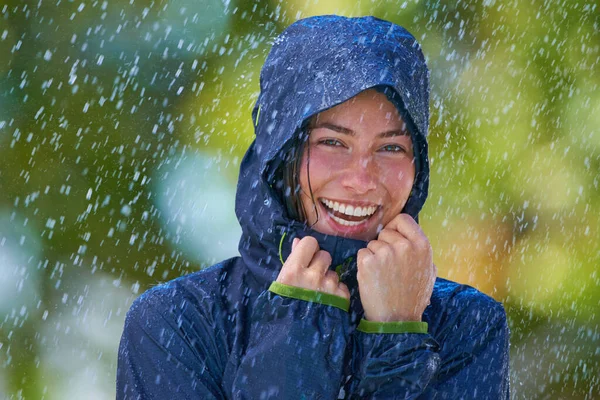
(349, 209)
(344, 222)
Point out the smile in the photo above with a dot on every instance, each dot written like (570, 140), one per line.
(347, 214)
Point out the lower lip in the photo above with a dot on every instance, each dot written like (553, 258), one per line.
(346, 230)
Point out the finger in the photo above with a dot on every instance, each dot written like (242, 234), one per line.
(390, 236)
(303, 252)
(376, 245)
(332, 276)
(330, 282)
(363, 254)
(320, 262)
(295, 242)
(343, 291)
(407, 226)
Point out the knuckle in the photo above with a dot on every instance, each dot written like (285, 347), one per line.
(387, 231)
(316, 274)
(286, 278)
(333, 276)
(385, 253)
(423, 243)
(330, 285)
(403, 244)
(364, 257)
(404, 218)
(293, 276)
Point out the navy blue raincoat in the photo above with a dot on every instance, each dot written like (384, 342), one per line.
(221, 333)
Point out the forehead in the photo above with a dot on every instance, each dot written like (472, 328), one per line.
(369, 111)
(368, 106)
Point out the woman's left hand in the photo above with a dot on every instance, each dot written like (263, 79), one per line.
(396, 273)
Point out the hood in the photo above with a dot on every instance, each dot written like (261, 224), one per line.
(315, 64)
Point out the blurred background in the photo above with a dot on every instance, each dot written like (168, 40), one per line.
(123, 123)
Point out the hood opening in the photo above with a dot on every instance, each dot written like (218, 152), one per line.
(291, 153)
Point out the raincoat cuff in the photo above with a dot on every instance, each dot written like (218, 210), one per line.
(392, 327)
(310, 295)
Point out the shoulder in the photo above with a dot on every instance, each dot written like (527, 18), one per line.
(461, 305)
(458, 296)
(189, 295)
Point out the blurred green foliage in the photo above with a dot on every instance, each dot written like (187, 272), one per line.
(100, 101)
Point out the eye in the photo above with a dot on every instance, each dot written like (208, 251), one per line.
(393, 148)
(331, 142)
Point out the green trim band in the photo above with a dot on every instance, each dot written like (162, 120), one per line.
(392, 327)
(310, 295)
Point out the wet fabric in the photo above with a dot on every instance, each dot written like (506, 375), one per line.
(221, 334)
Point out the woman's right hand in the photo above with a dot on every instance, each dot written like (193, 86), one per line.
(307, 267)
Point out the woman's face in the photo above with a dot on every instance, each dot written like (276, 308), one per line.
(361, 167)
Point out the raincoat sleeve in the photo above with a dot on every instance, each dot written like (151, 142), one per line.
(296, 348)
(469, 362)
(169, 350)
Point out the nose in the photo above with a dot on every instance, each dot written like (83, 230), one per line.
(360, 175)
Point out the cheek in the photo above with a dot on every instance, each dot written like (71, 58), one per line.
(398, 178)
(328, 160)
(320, 166)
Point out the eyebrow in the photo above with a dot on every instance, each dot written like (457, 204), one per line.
(348, 131)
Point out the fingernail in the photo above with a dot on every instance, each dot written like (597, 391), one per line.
(294, 243)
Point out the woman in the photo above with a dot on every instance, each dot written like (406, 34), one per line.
(335, 294)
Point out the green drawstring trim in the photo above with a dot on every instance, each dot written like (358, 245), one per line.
(343, 267)
(281, 246)
(257, 115)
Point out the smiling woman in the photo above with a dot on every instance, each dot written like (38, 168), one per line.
(335, 293)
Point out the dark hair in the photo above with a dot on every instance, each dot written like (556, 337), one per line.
(290, 178)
